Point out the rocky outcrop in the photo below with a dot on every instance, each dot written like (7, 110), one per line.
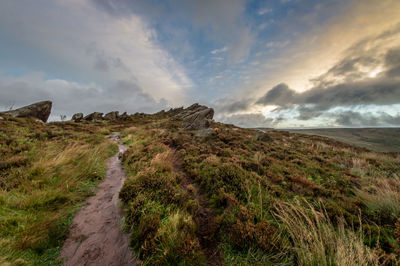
(195, 117)
(112, 115)
(40, 110)
(262, 136)
(96, 116)
(77, 117)
(124, 117)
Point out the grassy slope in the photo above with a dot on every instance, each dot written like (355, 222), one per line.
(46, 172)
(226, 198)
(295, 199)
(378, 139)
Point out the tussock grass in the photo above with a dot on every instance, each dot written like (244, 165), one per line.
(39, 197)
(165, 161)
(383, 197)
(317, 241)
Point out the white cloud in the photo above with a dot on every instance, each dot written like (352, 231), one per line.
(264, 10)
(221, 50)
(103, 47)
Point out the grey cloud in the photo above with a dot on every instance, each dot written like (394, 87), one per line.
(281, 94)
(351, 118)
(249, 120)
(355, 86)
(348, 84)
(232, 106)
(101, 65)
(392, 60)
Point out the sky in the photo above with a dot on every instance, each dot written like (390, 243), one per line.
(272, 63)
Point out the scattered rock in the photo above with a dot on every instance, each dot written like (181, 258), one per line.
(204, 132)
(112, 115)
(262, 136)
(195, 117)
(40, 110)
(77, 117)
(96, 116)
(1, 118)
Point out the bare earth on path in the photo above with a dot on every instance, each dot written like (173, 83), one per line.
(95, 236)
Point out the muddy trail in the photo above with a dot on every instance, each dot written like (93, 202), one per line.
(95, 236)
(204, 218)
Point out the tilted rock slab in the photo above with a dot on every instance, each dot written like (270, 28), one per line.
(195, 117)
(39, 110)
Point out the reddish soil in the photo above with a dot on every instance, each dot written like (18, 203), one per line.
(95, 236)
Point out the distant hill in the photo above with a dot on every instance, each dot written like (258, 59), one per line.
(377, 139)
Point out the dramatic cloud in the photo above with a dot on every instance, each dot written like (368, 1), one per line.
(94, 46)
(368, 74)
(279, 95)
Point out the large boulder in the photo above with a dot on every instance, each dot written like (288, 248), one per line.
(195, 117)
(124, 117)
(111, 115)
(262, 136)
(40, 110)
(77, 117)
(96, 116)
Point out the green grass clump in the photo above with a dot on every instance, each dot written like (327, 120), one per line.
(47, 171)
(162, 230)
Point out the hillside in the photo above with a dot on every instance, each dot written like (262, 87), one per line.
(222, 195)
(378, 139)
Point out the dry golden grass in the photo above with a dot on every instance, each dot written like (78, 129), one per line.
(383, 195)
(165, 161)
(316, 241)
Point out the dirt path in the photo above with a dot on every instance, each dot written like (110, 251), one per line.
(205, 221)
(95, 236)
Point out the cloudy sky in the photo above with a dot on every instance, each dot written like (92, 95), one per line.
(272, 63)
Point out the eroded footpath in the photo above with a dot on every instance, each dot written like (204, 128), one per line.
(95, 236)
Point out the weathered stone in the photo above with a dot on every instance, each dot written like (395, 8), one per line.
(194, 108)
(195, 117)
(40, 110)
(1, 118)
(111, 115)
(198, 120)
(262, 136)
(124, 117)
(77, 117)
(96, 116)
(204, 132)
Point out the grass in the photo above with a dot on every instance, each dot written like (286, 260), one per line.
(47, 171)
(286, 199)
(317, 241)
(244, 179)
